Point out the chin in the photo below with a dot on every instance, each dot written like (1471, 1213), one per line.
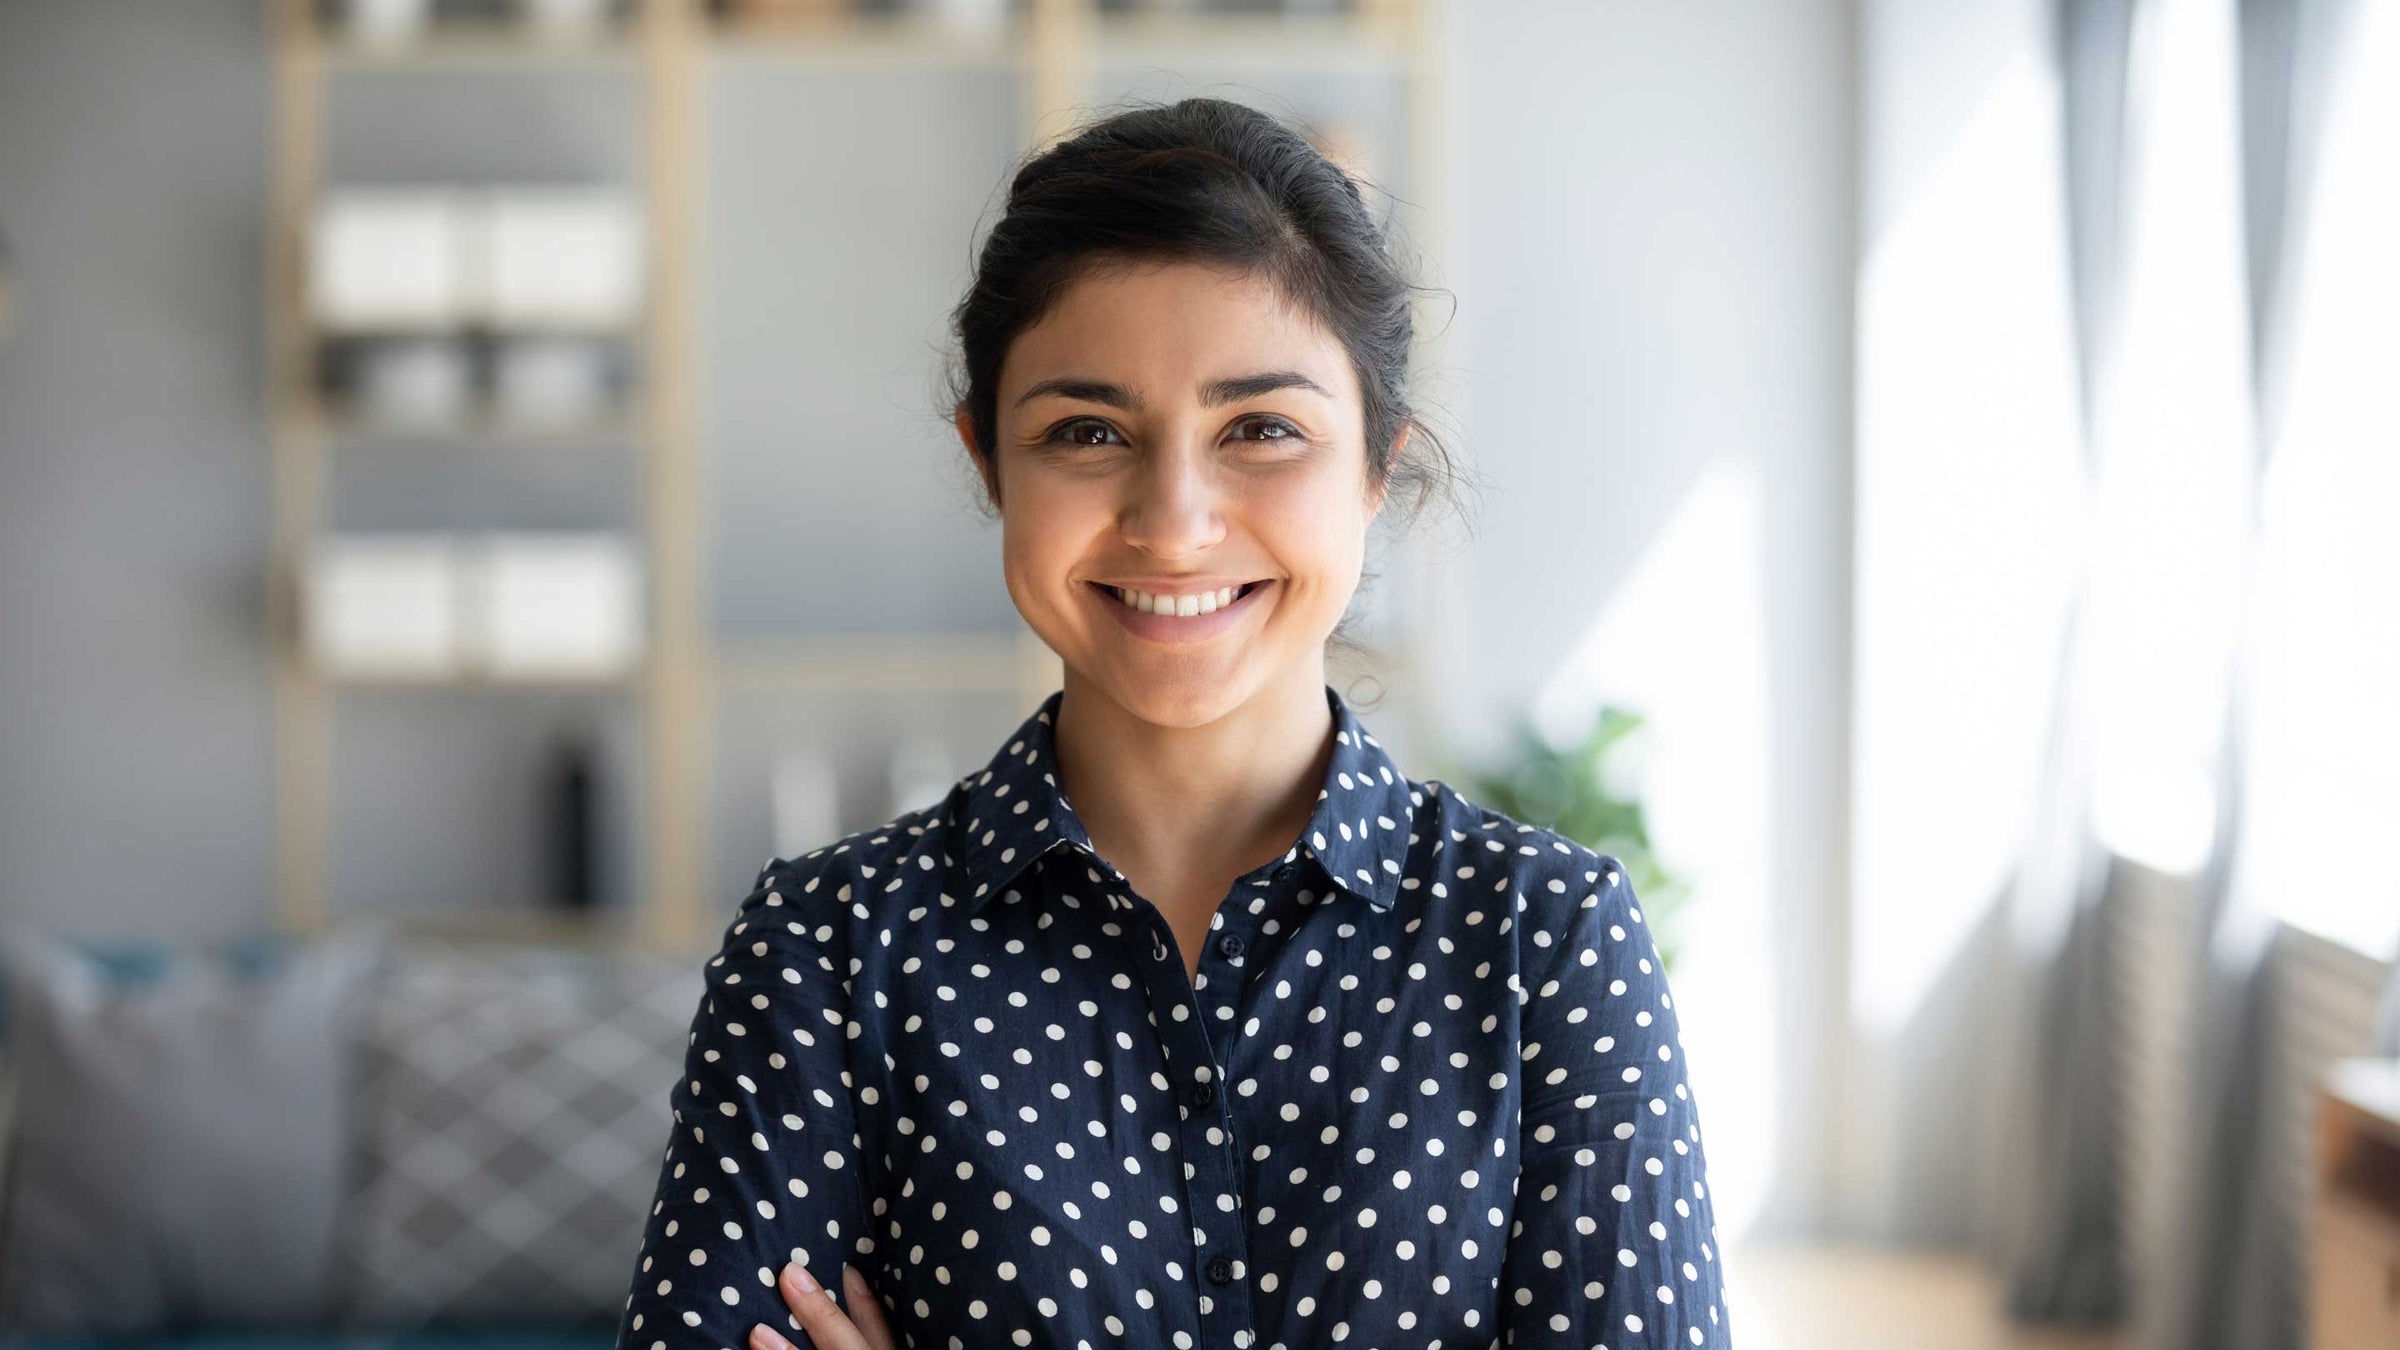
(1176, 693)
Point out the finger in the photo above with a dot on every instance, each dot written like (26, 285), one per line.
(764, 1337)
(813, 1307)
(867, 1310)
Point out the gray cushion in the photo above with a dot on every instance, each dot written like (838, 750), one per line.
(513, 1108)
(178, 1142)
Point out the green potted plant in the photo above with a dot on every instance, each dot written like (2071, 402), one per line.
(1567, 788)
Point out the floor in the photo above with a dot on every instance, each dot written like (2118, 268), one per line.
(1861, 1298)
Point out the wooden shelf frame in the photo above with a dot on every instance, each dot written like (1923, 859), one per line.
(1057, 47)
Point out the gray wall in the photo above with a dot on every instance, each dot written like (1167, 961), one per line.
(1662, 280)
(833, 257)
(134, 780)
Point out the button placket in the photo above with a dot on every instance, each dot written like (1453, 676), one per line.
(1222, 967)
(1220, 1248)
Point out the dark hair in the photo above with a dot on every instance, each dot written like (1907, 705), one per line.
(1211, 181)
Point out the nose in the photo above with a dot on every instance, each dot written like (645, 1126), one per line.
(1172, 506)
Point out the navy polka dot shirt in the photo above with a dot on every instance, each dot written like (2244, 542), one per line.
(1426, 1090)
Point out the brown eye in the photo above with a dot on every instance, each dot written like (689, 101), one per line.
(1080, 431)
(1267, 429)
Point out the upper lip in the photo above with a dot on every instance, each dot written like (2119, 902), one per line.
(1177, 586)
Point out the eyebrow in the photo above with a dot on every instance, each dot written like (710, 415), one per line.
(1231, 389)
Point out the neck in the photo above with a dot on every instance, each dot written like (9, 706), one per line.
(1184, 801)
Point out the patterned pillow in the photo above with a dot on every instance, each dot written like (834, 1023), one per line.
(177, 1141)
(511, 1109)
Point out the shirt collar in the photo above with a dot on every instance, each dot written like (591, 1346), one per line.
(1014, 812)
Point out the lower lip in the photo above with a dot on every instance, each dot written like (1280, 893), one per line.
(1177, 628)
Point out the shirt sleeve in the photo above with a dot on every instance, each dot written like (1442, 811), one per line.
(1614, 1242)
(763, 1162)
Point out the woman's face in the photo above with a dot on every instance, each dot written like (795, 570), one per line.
(1179, 430)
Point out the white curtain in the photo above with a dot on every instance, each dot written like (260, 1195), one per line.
(2143, 441)
(2309, 779)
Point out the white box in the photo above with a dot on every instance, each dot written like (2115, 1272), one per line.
(555, 606)
(390, 258)
(562, 258)
(384, 605)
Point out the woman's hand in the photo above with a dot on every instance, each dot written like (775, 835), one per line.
(824, 1322)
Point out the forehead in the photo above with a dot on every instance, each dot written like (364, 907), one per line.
(1164, 328)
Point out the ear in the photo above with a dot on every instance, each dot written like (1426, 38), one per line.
(983, 466)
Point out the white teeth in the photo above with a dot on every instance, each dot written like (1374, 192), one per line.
(1206, 602)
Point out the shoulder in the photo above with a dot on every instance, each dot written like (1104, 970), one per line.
(1559, 889)
(1593, 1003)
(796, 933)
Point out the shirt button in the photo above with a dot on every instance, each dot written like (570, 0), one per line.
(1230, 944)
(1202, 1095)
(1283, 871)
(1220, 1268)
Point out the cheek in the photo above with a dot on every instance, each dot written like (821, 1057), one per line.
(1317, 528)
(1045, 526)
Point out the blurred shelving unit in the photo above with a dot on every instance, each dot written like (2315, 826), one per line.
(1054, 49)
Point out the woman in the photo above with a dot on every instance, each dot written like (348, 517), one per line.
(1417, 1080)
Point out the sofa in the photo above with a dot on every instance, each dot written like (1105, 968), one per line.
(356, 1140)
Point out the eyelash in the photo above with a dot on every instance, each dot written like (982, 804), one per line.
(1062, 433)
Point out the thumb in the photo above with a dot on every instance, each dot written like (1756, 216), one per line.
(866, 1310)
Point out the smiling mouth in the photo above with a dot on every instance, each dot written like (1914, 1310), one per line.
(1176, 606)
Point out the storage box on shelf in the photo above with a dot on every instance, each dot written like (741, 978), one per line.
(504, 607)
(463, 311)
